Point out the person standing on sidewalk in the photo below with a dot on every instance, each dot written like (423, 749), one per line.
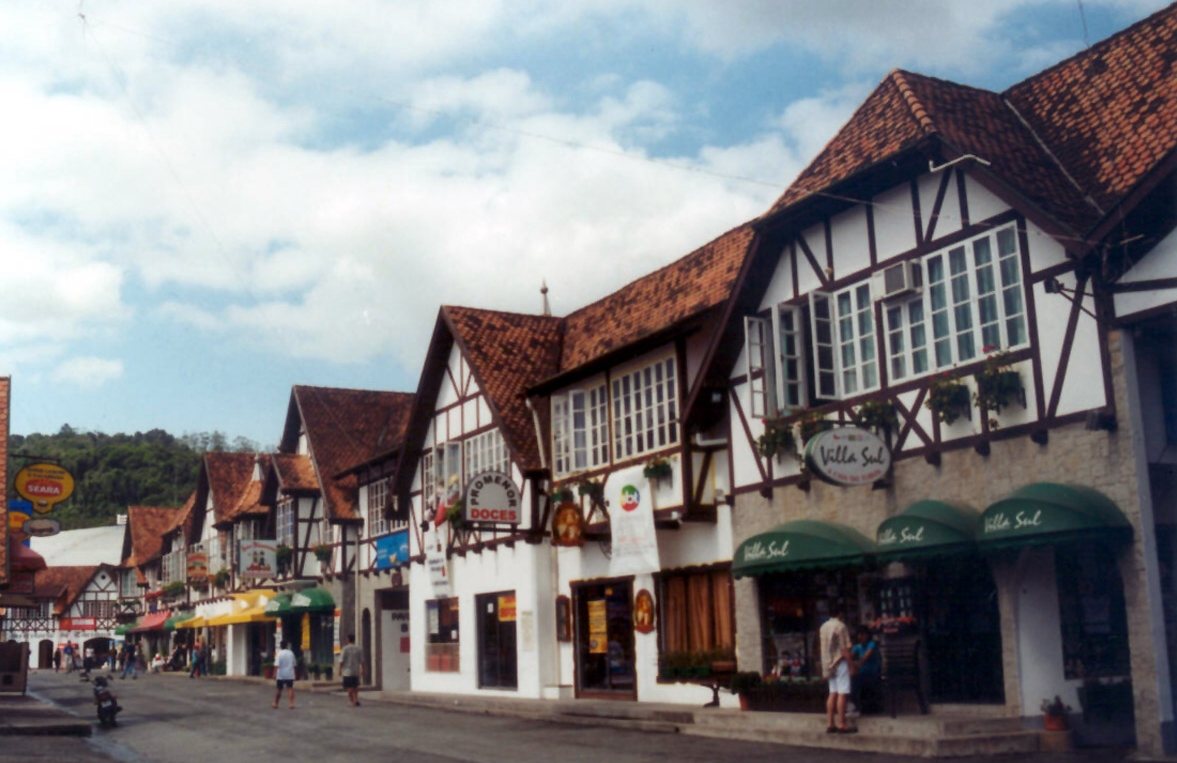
(197, 659)
(129, 661)
(835, 663)
(284, 673)
(351, 666)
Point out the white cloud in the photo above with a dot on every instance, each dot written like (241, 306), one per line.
(87, 373)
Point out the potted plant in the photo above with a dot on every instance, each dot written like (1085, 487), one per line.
(283, 557)
(742, 685)
(1054, 714)
(174, 589)
(328, 670)
(562, 494)
(200, 585)
(879, 415)
(322, 552)
(723, 661)
(777, 439)
(268, 669)
(998, 384)
(674, 665)
(700, 664)
(593, 490)
(221, 579)
(948, 398)
(456, 516)
(811, 424)
(657, 468)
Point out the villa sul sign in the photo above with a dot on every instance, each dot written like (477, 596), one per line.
(848, 456)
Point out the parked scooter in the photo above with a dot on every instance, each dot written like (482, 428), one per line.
(107, 704)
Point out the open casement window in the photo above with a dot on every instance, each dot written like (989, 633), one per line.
(580, 429)
(975, 298)
(449, 471)
(758, 344)
(843, 328)
(791, 378)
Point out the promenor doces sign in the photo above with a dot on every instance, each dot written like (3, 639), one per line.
(848, 456)
(492, 498)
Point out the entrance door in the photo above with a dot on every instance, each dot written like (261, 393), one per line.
(604, 640)
(496, 640)
(962, 631)
(45, 654)
(394, 640)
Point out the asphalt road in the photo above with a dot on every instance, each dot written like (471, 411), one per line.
(173, 719)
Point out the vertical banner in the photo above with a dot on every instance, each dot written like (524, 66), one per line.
(439, 576)
(631, 521)
(306, 631)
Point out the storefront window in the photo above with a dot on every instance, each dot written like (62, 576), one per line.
(697, 611)
(1091, 612)
(793, 605)
(441, 653)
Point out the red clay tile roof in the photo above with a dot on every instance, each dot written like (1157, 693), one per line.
(5, 389)
(62, 583)
(1106, 117)
(694, 283)
(229, 475)
(346, 427)
(296, 474)
(507, 353)
(146, 526)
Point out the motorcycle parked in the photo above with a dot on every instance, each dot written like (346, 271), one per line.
(106, 703)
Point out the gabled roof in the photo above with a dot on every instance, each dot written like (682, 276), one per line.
(1072, 141)
(146, 526)
(506, 352)
(684, 288)
(296, 474)
(344, 427)
(231, 482)
(63, 584)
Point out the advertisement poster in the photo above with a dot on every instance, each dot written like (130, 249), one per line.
(507, 608)
(392, 550)
(437, 564)
(197, 565)
(258, 559)
(598, 627)
(631, 521)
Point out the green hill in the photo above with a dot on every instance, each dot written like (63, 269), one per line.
(112, 472)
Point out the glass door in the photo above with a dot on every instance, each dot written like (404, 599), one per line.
(604, 639)
(497, 662)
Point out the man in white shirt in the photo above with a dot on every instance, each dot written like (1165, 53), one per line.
(284, 664)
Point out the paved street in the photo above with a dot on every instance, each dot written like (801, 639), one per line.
(171, 719)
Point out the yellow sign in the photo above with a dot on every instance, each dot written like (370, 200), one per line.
(44, 485)
(598, 623)
(507, 608)
(306, 631)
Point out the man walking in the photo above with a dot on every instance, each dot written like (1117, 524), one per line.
(284, 663)
(351, 666)
(835, 662)
(129, 661)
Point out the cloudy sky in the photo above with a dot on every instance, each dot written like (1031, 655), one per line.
(204, 202)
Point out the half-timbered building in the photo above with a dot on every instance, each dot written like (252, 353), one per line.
(79, 604)
(950, 388)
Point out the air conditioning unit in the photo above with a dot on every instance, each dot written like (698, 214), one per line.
(902, 279)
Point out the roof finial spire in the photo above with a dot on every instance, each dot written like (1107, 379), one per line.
(543, 289)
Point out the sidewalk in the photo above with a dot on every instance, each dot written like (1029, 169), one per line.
(29, 715)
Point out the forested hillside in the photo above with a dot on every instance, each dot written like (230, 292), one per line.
(112, 472)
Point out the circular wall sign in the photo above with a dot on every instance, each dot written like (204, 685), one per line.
(848, 456)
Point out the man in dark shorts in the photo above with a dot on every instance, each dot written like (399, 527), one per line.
(284, 664)
(351, 666)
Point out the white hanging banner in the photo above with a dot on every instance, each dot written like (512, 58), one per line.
(631, 520)
(439, 573)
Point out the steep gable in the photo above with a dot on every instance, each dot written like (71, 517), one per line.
(229, 476)
(146, 526)
(63, 584)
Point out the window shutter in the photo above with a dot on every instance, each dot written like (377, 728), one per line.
(824, 349)
(758, 352)
(791, 376)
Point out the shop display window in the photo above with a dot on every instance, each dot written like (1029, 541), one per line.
(441, 651)
(793, 605)
(1091, 612)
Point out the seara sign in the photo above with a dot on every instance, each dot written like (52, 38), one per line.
(848, 456)
(492, 498)
(44, 485)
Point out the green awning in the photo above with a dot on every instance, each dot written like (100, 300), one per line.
(122, 630)
(311, 600)
(802, 544)
(927, 528)
(170, 623)
(279, 605)
(1047, 513)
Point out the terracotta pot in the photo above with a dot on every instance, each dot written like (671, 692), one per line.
(744, 702)
(1055, 722)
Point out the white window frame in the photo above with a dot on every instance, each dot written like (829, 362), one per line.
(580, 428)
(377, 506)
(909, 351)
(758, 353)
(645, 408)
(286, 522)
(846, 357)
(486, 452)
(975, 298)
(792, 380)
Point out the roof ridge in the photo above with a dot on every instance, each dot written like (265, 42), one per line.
(1093, 50)
(922, 117)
